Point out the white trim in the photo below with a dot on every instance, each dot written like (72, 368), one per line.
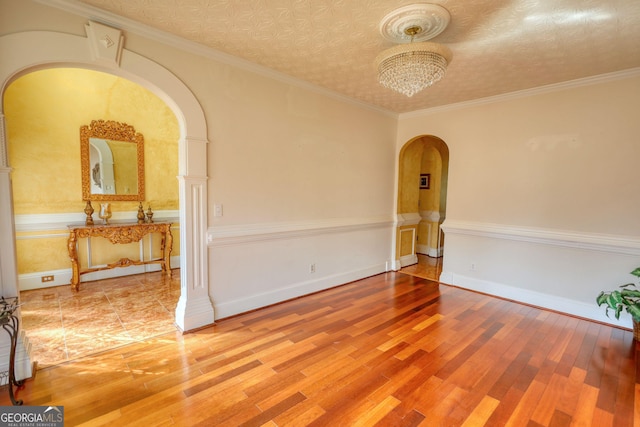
(422, 249)
(93, 13)
(556, 87)
(565, 238)
(59, 221)
(62, 277)
(538, 299)
(408, 260)
(412, 218)
(254, 301)
(239, 234)
(435, 252)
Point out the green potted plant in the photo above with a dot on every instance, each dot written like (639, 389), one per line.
(628, 299)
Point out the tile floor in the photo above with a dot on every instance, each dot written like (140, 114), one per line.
(62, 325)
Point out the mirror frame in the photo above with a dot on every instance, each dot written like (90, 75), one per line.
(115, 131)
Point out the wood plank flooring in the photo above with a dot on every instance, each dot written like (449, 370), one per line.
(390, 350)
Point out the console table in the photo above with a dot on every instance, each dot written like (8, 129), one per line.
(119, 233)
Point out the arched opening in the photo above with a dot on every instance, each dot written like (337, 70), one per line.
(44, 111)
(41, 49)
(422, 197)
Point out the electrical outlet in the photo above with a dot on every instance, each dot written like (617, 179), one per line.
(312, 268)
(46, 279)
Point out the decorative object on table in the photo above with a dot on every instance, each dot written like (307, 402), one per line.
(140, 214)
(105, 212)
(149, 215)
(10, 323)
(628, 299)
(88, 209)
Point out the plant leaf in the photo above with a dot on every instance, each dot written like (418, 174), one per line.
(634, 311)
(630, 293)
(618, 310)
(636, 272)
(613, 299)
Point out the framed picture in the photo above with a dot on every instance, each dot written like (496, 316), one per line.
(425, 180)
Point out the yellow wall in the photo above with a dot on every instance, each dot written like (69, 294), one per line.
(424, 155)
(44, 111)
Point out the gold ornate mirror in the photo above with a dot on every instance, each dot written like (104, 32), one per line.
(112, 159)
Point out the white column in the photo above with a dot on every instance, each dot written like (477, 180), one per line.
(8, 265)
(194, 309)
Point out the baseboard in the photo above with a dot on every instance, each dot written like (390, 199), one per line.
(428, 251)
(296, 290)
(408, 260)
(62, 277)
(538, 299)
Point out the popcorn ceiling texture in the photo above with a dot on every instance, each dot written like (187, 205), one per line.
(499, 46)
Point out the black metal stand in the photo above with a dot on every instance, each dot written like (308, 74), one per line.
(11, 324)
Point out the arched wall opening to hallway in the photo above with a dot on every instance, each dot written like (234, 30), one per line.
(422, 198)
(41, 49)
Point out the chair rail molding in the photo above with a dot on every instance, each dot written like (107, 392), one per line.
(565, 238)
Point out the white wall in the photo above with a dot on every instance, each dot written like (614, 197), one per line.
(313, 171)
(543, 191)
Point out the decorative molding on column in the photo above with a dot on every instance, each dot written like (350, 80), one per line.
(194, 309)
(4, 161)
(8, 266)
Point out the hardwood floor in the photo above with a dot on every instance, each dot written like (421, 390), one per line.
(390, 350)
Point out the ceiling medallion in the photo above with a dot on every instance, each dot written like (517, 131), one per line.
(415, 65)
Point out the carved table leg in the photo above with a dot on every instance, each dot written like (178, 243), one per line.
(167, 246)
(73, 256)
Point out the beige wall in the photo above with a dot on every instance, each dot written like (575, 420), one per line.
(303, 176)
(44, 111)
(564, 159)
(542, 202)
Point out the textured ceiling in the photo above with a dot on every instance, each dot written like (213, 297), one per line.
(499, 46)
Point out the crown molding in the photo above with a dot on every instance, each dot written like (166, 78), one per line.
(556, 87)
(111, 19)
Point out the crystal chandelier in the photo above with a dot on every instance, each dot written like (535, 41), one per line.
(410, 68)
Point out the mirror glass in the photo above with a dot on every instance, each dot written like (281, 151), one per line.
(112, 157)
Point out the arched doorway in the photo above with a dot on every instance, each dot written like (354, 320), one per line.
(28, 51)
(422, 196)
